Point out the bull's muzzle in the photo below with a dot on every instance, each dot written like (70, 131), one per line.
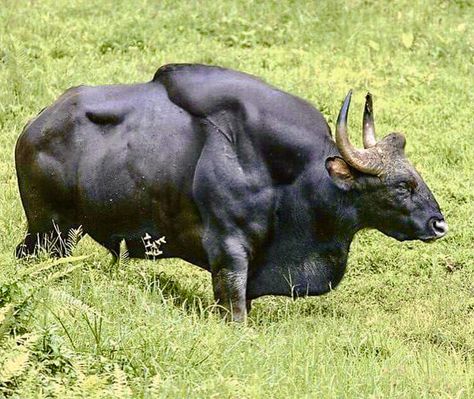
(439, 227)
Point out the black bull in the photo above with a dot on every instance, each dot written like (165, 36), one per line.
(243, 180)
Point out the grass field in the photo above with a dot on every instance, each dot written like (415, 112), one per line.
(400, 325)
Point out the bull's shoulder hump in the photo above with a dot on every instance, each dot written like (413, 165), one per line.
(196, 74)
(203, 89)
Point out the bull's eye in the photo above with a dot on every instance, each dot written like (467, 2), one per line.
(405, 188)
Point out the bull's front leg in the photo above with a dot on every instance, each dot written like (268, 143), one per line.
(229, 268)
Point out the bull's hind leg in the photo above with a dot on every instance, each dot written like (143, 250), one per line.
(47, 200)
(56, 241)
(110, 242)
(136, 248)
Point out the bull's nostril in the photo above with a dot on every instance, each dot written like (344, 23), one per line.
(440, 227)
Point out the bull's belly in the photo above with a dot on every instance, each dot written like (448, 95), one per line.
(151, 227)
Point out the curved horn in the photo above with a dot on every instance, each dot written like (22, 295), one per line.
(368, 123)
(366, 161)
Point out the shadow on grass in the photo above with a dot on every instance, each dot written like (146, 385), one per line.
(175, 293)
(195, 301)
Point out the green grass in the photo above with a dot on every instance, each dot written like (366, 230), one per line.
(400, 325)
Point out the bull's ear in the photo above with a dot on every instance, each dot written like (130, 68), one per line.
(340, 172)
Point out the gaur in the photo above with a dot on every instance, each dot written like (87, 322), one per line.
(243, 180)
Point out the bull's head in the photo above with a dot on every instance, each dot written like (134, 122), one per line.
(397, 200)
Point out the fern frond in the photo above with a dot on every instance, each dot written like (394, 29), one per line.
(6, 318)
(70, 302)
(15, 365)
(154, 387)
(61, 273)
(44, 266)
(27, 340)
(73, 238)
(120, 386)
(123, 254)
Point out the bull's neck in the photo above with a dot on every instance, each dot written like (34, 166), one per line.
(316, 210)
